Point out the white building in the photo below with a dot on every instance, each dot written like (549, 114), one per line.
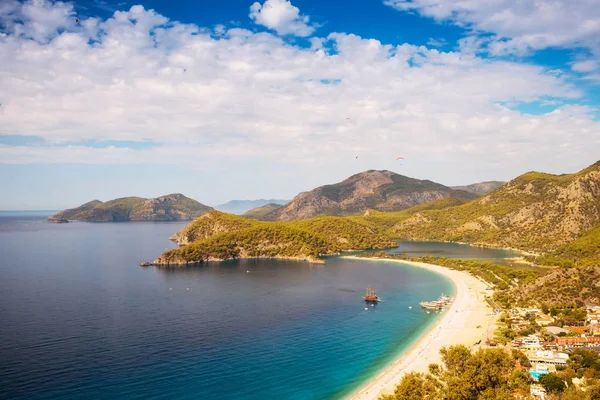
(547, 357)
(537, 391)
(531, 342)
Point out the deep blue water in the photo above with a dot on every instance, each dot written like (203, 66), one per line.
(81, 320)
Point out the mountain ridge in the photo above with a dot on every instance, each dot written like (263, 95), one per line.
(480, 188)
(239, 207)
(535, 211)
(379, 190)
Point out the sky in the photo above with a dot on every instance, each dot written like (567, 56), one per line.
(223, 100)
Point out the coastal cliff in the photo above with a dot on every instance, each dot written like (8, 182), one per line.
(173, 207)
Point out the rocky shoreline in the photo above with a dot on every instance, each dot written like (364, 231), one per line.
(179, 262)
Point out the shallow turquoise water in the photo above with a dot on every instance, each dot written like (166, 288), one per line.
(81, 319)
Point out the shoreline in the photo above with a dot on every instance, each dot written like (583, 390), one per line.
(457, 325)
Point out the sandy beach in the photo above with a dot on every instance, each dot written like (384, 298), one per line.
(458, 325)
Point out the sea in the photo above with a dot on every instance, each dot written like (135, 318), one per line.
(80, 319)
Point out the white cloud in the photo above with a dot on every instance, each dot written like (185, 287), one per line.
(518, 25)
(585, 66)
(437, 42)
(281, 16)
(213, 96)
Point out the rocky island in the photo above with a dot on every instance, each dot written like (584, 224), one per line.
(172, 207)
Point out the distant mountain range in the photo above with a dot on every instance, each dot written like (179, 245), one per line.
(481, 188)
(375, 190)
(172, 207)
(241, 206)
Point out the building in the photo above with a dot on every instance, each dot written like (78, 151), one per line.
(537, 391)
(580, 341)
(581, 330)
(543, 319)
(555, 330)
(531, 342)
(547, 357)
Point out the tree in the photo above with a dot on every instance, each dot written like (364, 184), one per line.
(552, 383)
(488, 374)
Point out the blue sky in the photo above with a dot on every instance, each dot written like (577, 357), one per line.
(241, 99)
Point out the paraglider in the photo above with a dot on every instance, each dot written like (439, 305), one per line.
(77, 20)
(400, 158)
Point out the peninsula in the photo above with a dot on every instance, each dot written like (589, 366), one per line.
(556, 217)
(172, 207)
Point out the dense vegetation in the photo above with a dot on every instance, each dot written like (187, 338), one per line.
(535, 211)
(584, 251)
(493, 374)
(164, 208)
(265, 240)
(568, 287)
(261, 212)
(211, 224)
(220, 236)
(487, 374)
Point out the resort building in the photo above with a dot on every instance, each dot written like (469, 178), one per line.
(538, 391)
(547, 357)
(531, 342)
(581, 341)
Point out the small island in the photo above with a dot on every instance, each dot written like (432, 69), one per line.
(172, 207)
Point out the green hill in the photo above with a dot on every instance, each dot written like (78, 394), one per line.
(261, 212)
(536, 211)
(171, 207)
(220, 236)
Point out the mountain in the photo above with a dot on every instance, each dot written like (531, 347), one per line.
(260, 212)
(241, 206)
(481, 188)
(219, 236)
(536, 211)
(377, 190)
(171, 207)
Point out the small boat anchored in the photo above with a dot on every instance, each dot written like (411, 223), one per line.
(371, 296)
(439, 304)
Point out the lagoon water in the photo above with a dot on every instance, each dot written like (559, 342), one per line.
(81, 320)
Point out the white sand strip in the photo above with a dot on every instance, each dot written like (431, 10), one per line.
(458, 325)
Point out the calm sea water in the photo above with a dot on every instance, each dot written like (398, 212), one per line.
(81, 320)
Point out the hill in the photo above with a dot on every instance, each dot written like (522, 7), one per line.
(260, 212)
(481, 188)
(376, 190)
(171, 207)
(220, 236)
(535, 211)
(241, 206)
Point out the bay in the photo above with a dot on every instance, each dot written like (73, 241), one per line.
(81, 320)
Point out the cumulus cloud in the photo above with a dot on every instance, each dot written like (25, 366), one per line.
(518, 25)
(585, 66)
(281, 16)
(208, 95)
